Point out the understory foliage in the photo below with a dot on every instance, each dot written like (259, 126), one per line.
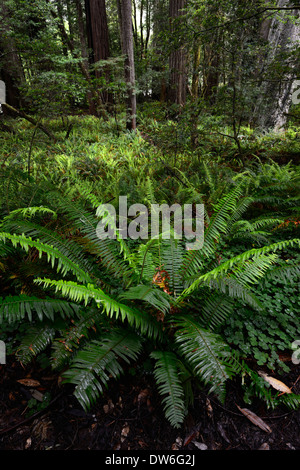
(97, 306)
(205, 88)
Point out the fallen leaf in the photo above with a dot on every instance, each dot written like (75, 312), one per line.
(194, 434)
(28, 443)
(125, 431)
(264, 446)
(275, 383)
(29, 382)
(37, 395)
(11, 396)
(255, 419)
(108, 407)
(222, 432)
(200, 445)
(209, 408)
(143, 395)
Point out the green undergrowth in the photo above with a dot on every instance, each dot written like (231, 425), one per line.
(94, 306)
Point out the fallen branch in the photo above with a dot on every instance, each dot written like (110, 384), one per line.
(21, 114)
(30, 418)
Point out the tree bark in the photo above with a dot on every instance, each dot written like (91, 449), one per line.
(11, 68)
(98, 39)
(196, 71)
(159, 30)
(211, 75)
(275, 94)
(125, 11)
(177, 60)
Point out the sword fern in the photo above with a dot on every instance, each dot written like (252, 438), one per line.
(103, 300)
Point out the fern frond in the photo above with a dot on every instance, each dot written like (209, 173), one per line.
(5, 249)
(114, 253)
(70, 249)
(81, 293)
(16, 308)
(266, 222)
(240, 208)
(239, 261)
(35, 341)
(172, 255)
(80, 331)
(155, 297)
(218, 224)
(251, 271)
(98, 362)
(146, 260)
(291, 401)
(215, 310)
(167, 376)
(205, 352)
(63, 264)
(284, 273)
(29, 212)
(232, 288)
(224, 210)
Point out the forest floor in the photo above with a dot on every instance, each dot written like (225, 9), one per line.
(129, 417)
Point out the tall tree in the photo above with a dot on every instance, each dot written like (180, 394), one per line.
(160, 30)
(125, 12)
(178, 55)
(98, 38)
(11, 68)
(278, 72)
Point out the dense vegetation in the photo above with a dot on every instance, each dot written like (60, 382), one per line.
(93, 309)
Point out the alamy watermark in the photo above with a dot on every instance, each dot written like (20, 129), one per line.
(163, 221)
(2, 352)
(2, 93)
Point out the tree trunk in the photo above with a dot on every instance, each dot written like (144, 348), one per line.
(98, 39)
(177, 60)
(125, 11)
(159, 30)
(275, 94)
(196, 71)
(11, 69)
(95, 102)
(211, 76)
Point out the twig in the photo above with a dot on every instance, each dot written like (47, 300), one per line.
(27, 420)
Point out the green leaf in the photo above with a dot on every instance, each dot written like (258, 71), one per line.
(167, 376)
(99, 361)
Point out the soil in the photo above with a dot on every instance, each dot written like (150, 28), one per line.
(130, 417)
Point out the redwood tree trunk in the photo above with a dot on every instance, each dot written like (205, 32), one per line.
(98, 38)
(125, 11)
(11, 68)
(177, 60)
(275, 95)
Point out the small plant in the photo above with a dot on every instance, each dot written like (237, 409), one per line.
(266, 336)
(35, 405)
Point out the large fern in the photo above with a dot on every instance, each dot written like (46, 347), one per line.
(104, 301)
